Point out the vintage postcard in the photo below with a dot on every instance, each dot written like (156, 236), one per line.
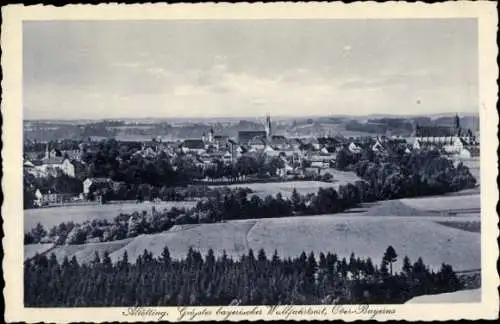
(308, 161)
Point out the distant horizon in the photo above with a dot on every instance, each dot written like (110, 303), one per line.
(375, 115)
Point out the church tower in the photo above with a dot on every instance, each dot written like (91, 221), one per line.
(458, 129)
(47, 151)
(268, 127)
(211, 135)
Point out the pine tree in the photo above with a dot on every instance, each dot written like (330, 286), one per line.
(296, 201)
(383, 268)
(311, 267)
(165, 257)
(276, 258)
(106, 261)
(262, 255)
(369, 268)
(407, 268)
(322, 261)
(390, 257)
(97, 259)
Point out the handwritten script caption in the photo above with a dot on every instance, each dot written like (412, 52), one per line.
(241, 313)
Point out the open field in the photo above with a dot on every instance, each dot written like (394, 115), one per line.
(49, 217)
(31, 250)
(472, 226)
(367, 236)
(303, 187)
(231, 236)
(341, 177)
(469, 203)
(285, 188)
(84, 253)
(462, 296)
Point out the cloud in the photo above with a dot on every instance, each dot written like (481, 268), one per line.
(236, 67)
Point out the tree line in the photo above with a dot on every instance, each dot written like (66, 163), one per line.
(400, 174)
(224, 204)
(209, 280)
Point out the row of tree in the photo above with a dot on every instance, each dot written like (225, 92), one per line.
(120, 162)
(224, 204)
(210, 280)
(416, 174)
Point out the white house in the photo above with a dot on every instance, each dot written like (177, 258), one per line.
(353, 148)
(52, 165)
(68, 168)
(38, 196)
(270, 151)
(378, 147)
(87, 183)
(285, 170)
(257, 144)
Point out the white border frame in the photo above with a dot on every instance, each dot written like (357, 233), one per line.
(12, 210)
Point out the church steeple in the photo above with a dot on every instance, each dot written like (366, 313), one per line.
(211, 135)
(458, 129)
(268, 126)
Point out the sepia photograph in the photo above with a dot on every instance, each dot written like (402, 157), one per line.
(251, 162)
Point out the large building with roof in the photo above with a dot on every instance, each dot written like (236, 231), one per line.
(451, 139)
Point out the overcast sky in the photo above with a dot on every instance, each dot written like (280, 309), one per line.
(110, 69)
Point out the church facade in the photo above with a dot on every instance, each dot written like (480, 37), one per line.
(453, 140)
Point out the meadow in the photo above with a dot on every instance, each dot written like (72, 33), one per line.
(303, 187)
(452, 203)
(365, 235)
(52, 216)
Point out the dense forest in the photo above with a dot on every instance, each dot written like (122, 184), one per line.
(251, 280)
(398, 175)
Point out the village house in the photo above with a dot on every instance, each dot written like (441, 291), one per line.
(295, 143)
(257, 144)
(312, 141)
(354, 148)
(44, 197)
(378, 146)
(51, 166)
(279, 142)
(196, 146)
(95, 183)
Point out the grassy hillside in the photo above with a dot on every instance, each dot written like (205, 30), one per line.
(49, 217)
(85, 253)
(231, 236)
(414, 227)
(445, 203)
(365, 235)
(31, 250)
